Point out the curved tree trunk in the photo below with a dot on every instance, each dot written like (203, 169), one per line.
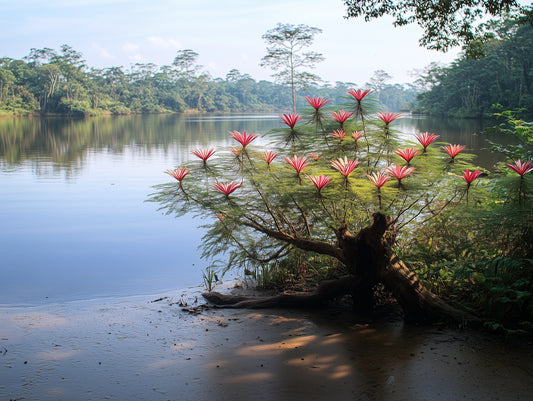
(370, 260)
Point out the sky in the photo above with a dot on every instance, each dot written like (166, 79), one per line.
(225, 33)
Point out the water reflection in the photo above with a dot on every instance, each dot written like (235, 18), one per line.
(469, 132)
(75, 221)
(67, 142)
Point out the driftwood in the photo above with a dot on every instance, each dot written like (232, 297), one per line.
(326, 291)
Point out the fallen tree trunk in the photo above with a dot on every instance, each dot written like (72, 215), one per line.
(370, 260)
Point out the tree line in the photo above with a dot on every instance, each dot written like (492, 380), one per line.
(50, 81)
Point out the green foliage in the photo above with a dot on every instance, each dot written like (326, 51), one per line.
(517, 128)
(481, 254)
(48, 81)
(210, 278)
(445, 24)
(296, 270)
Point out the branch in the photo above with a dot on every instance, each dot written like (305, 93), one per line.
(304, 217)
(305, 244)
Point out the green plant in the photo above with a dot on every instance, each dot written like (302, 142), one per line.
(317, 193)
(512, 126)
(210, 278)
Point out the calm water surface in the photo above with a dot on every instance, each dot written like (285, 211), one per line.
(74, 217)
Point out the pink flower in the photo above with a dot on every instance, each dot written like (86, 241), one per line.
(357, 135)
(299, 163)
(453, 150)
(407, 154)
(226, 187)
(359, 94)
(470, 176)
(400, 172)
(425, 139)
(387, 118)
(341, 116)
(378, 179)
(244, 139)
(269, 156)
(317, 102)
(520, 168)
(320, 182)
(290, 119)
(179, 174)
(344, 166)
(338, 133)
(203, 154)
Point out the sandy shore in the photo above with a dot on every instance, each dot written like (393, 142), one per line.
(156, 348)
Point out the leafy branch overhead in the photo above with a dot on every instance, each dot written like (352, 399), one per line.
(445, 23)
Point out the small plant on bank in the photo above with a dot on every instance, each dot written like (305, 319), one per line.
(210, 278)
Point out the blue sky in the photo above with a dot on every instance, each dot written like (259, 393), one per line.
(225, 33)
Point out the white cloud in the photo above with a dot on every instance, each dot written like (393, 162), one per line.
(162, 42)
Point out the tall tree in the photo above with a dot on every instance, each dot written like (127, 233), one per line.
(445, 23)
(378, 81)
(286, 54)
(185, 63)
(72, 66)
(425, 78)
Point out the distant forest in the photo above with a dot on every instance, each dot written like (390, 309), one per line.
(59, 81)
(50, 81)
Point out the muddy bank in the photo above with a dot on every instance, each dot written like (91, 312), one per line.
(161, 348)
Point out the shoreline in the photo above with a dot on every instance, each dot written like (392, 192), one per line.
(169, 347)
(100, 299)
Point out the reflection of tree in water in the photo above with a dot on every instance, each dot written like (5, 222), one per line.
(55, 145)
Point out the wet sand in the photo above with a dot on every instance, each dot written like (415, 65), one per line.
(148, 348)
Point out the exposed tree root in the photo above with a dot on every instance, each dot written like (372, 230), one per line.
(325, 292)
